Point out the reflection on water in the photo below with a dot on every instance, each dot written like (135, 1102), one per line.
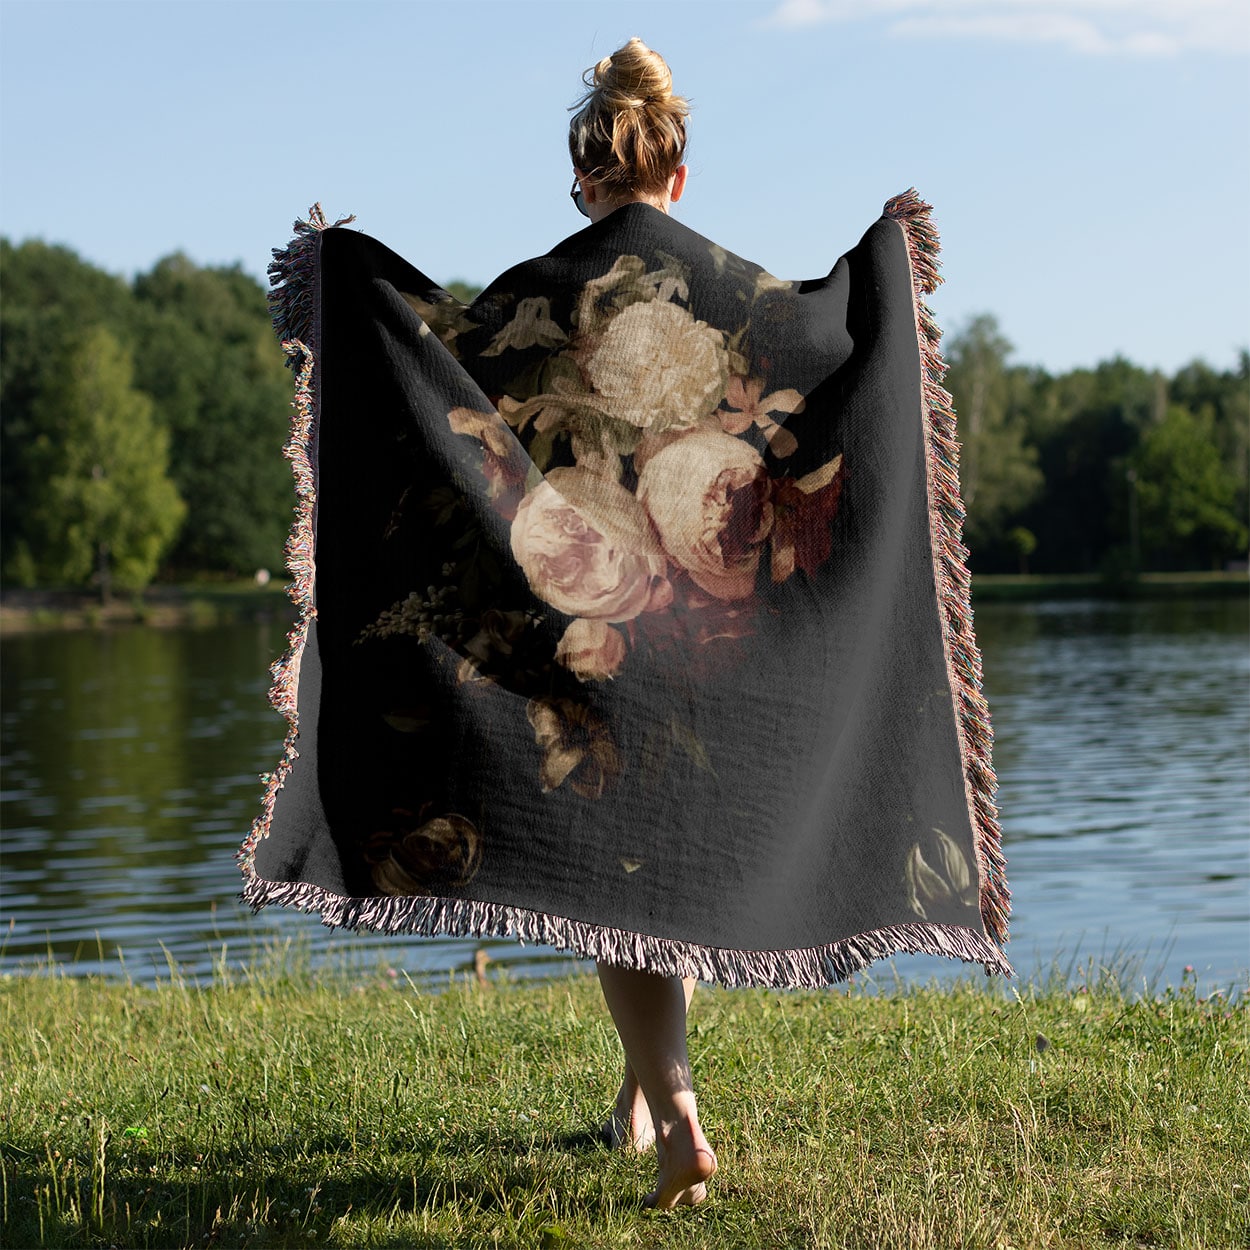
(131, 759)
(1122, 742)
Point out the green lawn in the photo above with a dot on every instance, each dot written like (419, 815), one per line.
(280, 1108)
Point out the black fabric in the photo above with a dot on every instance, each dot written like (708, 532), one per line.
(698, 688)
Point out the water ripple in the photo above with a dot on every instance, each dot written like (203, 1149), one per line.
(132, 758)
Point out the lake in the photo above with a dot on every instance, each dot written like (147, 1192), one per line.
(131, 761)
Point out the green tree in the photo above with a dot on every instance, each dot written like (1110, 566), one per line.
(51, 297)
(1087, 423)
(1024, 543)
(997, 466)
(1187, 493)
(207, 356)
(465, 292)
(1223, 399)
(102, 506)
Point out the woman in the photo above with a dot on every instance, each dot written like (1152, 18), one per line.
(628, 144)
(634, 614)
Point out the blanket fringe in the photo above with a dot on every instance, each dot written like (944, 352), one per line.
(950, 558)
(810, 968)
(296, 315)
(284, 672)
(293, 302)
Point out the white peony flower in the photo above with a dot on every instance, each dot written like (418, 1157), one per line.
(658, 368)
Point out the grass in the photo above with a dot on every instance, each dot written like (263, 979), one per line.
(280, 1107)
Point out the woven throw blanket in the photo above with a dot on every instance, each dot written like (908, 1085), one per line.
(634, 618)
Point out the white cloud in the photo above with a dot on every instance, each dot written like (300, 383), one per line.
(1137, 28)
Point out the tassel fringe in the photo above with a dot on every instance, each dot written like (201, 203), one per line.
(950, 560)
(811, 968)
(294, 304)
(284, 672)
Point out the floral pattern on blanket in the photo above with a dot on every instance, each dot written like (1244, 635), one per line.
(632, 464)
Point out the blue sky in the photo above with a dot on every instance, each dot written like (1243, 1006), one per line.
(1087, 159)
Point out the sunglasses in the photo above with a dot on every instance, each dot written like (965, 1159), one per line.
(576, 196)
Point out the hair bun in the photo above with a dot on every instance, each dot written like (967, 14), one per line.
(633, 77)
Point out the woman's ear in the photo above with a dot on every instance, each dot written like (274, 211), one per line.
(678, 184)
(588, 186)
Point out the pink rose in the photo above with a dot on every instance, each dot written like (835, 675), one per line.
(587, 548)
(591, 650)
(707, 494)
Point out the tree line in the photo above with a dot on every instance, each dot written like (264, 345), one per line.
(140, 424)
(1114, 470)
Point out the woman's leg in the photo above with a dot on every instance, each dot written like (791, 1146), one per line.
(650, 1015)
(630, 1124)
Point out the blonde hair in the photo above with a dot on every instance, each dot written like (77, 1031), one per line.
(629, 131)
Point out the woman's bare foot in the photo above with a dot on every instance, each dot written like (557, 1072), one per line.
(649, 1011)
(629, 1126)
(686, 1165)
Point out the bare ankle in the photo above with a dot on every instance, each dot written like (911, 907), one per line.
(680, 1131)
(629, 1125)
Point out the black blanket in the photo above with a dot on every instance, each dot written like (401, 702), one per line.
(634, 618)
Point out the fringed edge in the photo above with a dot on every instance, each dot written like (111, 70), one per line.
(294, 304)
(810, 968)
(300, 548)
(293, 275)
(950, 560)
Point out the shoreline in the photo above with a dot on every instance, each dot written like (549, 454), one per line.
(173, 606)
(1034, 587)
(203, 605)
